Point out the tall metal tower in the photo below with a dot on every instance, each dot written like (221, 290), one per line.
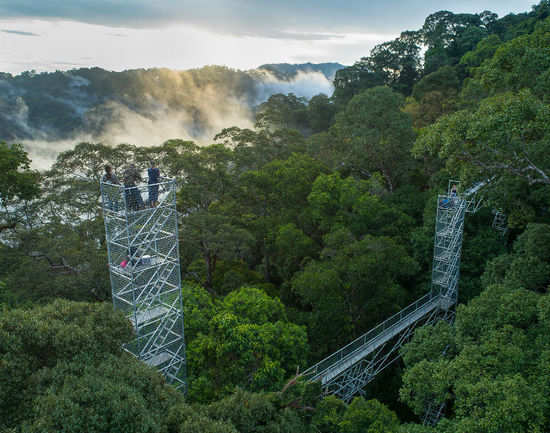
(449, 227)
(347, 371)
(142, 245)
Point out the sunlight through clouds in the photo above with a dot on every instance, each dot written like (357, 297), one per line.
(141, 34)
(67, 44)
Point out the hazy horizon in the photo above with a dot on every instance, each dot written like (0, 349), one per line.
(134, 34)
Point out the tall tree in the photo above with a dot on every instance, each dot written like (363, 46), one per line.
(354, 285)
(320, 111)
(395, 63)
(507, 137)
(448, 36)
(523, 62)
(18, 184)
(250, 343)
(352, 80)
(375, 135)
(274, 196)
(283, 112)
(398, 61)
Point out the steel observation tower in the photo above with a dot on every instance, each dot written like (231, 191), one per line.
(143, 254)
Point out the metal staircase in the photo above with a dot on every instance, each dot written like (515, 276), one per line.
(500, 222)
(346, 372)
(433, 414)
(145, 275)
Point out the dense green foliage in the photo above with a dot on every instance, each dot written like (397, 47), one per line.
(297, 236)
(17, 184)
(494, 374)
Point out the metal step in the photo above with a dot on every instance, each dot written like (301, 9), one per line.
(159, 359)
(443, 282)
(446, 256)
(148, 315)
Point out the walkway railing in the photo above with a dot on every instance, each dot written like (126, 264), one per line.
(388, 326)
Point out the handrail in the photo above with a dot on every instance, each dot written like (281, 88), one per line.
(322, 366)
(138, 185)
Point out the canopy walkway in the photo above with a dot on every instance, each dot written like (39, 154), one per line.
(346, 372)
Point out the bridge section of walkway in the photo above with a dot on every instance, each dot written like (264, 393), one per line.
(347, 371)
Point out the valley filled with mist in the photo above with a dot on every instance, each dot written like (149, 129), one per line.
(51, 112)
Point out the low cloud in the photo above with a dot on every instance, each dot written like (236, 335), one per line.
(306, 84)
(162, 123)
(150, 129)
(211, 109)
(43, 152)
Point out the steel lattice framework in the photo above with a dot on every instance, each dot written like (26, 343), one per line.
(142, 242)
(346, 372)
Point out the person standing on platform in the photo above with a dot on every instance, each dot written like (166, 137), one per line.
(133, 196)
(154, 177)
(454, 191)
(109, 176)
(454, 195)
(112, 193)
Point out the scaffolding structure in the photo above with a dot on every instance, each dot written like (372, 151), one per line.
(346, 372)
(449, 227)
(500, 222)
(143, 254)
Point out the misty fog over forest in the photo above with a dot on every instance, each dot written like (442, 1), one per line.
(49, 112)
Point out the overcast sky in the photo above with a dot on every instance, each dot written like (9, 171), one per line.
(46, 35)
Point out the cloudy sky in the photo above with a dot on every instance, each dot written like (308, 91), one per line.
(47, 35)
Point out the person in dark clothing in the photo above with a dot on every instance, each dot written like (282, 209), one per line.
(132, 259)
(133, 196)
(454, 191)
(454, 195)
(109, 176)
(450, 200)
(154, 177)
(111, 193)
